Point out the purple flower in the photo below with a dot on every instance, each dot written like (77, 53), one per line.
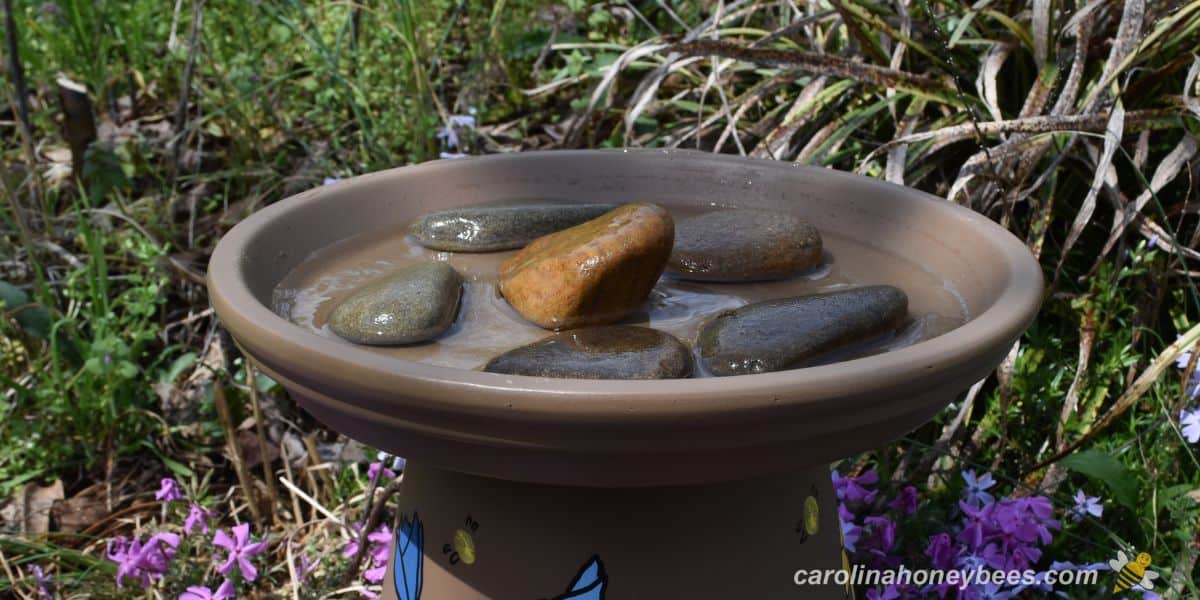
(990, 591)
(449, 133)
(352, 546)
(42, 582)
(378, 545)
(168, 491)
(1006, 535)
(330, 181)
(142, 561)
(906, 502)
(1183, 358)
(377, 468)
(1190, 421)
(382, 540)
(452, 155)
(240, 551)
(881, 540)
(941, 551)
(853, 489)
(197, 517)
(976, 490)
(850, 531)
(1085, 505)
(303, 568)
(891, 592)
(196, 592)
(397, 463)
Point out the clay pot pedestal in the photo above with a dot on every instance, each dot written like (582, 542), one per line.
(528, 488)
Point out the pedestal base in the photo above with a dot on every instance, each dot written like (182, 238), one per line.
(463, 537)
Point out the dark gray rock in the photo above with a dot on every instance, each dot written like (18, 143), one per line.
(743, 245)
(415, 304)
(789, 332)
(606, 352)
(494, 228)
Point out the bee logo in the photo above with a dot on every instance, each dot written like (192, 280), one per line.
(1132, 573)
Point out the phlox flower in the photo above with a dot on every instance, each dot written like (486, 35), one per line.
(42, 582)
(375, 469)
(1085, 505)
(850, 531)
(975, 491)
(906, 502)
(854, 489)
(168, 491)
(197, 517)
(240, 551)
(142, 562)
(198, 592)
(1189, 421)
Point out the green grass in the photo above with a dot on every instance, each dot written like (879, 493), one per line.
(103, 276)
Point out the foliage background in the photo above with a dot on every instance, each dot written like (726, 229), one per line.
(1071, 123)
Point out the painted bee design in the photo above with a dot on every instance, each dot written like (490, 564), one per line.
(1132, 573)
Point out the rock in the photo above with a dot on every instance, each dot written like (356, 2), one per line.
(787, 333)
(743, 245)
(605, 352)
(592, 274)
(494, 228)
(417, 303)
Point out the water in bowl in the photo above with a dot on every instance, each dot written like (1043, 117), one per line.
(486, 326)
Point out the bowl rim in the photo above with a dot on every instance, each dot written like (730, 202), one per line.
(371, 381)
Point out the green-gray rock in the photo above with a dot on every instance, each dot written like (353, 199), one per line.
(605, 352)
(789, 332)
(415, 304)
(743, 245)
(495, 228)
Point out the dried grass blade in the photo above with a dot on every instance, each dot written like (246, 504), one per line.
(776, 141)
(821, 64)
(1087, 338)
(1112, 140)
(604, 86)
(1128, 32)
(1040, 24)
(1165, 173)
(986, 81)
(1135, 121)
(1188, 85)
(1065, 103)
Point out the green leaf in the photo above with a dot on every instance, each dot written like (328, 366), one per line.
(1102, 467)
(176, 467)
(34, 320)
(181, 363)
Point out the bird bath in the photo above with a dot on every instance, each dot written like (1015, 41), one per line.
(530, 488)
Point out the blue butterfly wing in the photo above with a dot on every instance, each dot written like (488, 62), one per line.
(408, 560)
(589, 584)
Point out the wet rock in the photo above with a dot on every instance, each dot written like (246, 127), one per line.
(592, 274)
(789, 332)
(743, 245)
(494, 228)
(606, 352)
(416, 304)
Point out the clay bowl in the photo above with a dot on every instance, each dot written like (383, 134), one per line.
(628, 433)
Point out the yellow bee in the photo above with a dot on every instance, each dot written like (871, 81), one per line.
(1132, 573)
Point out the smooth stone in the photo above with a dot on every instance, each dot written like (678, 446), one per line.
(605, 352)
(415, 304)
(787, 333)
(595, 273)
(495, 228)
(743, 245)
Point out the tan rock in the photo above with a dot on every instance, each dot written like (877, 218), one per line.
(591, 274)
